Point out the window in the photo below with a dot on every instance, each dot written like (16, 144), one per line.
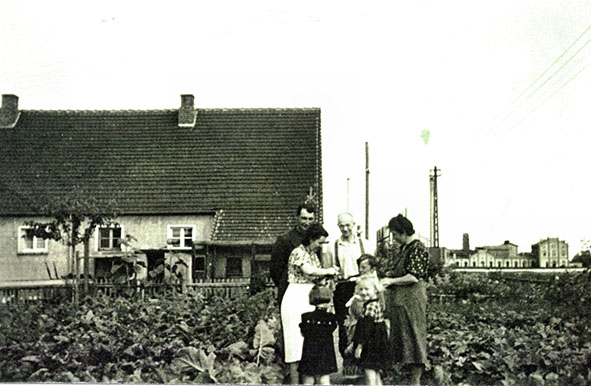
(199, 267)
(233, 267)
(181, 236)
(109, 238)
(27, 243)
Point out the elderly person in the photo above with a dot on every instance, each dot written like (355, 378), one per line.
(345, 253)
(303, 269)
(404, 276)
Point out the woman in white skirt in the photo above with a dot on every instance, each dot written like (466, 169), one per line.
(303, 269)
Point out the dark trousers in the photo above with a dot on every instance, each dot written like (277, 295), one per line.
(343, 292)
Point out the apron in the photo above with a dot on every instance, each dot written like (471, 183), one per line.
(406, 308)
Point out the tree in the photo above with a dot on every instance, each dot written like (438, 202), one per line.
(73, 221)
(584, 256)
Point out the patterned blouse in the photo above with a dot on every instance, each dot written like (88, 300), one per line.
(299, 256)
(374, 310)
(415, 259)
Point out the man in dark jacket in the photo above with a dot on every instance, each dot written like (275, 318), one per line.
(286, 243)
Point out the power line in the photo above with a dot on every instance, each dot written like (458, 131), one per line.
(506, 113)
(546, 100)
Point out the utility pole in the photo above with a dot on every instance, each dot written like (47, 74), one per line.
(366, 190)
(434, 207)
(347, 194)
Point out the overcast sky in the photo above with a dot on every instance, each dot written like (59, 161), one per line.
(494, 93)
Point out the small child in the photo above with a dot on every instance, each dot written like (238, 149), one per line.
(367, 270)
(317, 327)
(370, 340)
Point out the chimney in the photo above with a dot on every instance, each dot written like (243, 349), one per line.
(187, 112)
(9, 111)
(466, 242)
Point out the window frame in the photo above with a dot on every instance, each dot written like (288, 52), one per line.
(97, 238)
(182, 239)
(22, 245)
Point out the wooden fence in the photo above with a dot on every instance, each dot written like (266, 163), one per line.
(63, 289)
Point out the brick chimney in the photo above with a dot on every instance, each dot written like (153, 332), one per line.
(187, 112)
(9, 111)
(466, 242)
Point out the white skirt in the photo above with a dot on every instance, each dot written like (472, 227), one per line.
(295, 303)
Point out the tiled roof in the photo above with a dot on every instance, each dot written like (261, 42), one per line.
(250, 166)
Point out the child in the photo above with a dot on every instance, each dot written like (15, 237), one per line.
(317, 327)
(370, 340)
(367, 270)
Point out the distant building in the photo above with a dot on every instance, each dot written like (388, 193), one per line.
(551, 252)
(494, 256)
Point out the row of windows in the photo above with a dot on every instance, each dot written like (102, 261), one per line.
(563, 253)
(524, 264)
(179, 237)
(499, 264)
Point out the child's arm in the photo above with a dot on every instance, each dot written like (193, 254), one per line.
(353, 299)
(358, 351)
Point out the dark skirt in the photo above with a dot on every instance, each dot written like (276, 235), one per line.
(376, 352)
(406, 308)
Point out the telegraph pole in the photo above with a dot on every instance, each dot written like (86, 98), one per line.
(366, 190)
(347, 194)
(434, 207)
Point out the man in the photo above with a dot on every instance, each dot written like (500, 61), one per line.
(344, 253)
(286, 243)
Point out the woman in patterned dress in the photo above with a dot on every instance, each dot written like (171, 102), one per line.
(404, 276)
(303, 269)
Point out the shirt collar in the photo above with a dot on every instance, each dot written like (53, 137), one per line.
(353, 240)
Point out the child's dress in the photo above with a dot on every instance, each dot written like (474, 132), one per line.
(371, 332)
(356, 305)
(318, 355)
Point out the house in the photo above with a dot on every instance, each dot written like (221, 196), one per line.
(209, 187)
(551, 252)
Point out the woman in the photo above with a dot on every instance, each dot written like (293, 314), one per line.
(303, 269)
(404, 277)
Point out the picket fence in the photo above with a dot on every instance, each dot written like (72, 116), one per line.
(63, 289)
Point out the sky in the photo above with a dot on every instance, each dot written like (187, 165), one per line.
(493, 93)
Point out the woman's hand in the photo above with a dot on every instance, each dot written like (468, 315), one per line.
(333, 271)
(387, 281)
(309, 269)
(407, 279)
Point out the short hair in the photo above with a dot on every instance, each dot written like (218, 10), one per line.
(401, 224)
(314, 232)
(374, 283)
(320, 294)
(373, 262)
(309, 208)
